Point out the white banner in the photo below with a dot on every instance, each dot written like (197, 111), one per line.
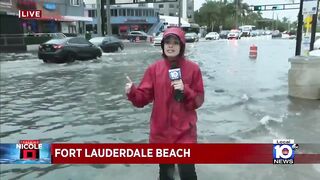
(309, 7)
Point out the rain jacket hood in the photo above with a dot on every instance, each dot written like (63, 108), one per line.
(179, 33)
(175, 31)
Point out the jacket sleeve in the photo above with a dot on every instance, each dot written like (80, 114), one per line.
(143, 94)
(194, 93)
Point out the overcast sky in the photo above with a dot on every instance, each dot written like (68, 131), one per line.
(291, 14)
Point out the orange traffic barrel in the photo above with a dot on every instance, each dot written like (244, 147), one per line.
(253, 51)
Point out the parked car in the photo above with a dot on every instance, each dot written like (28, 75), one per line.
(224, 34)
(157, 40)
(254, 33)
(51, 35)
(212, 35)
(191, 37)
(134, 35)
(57, 35)
(276, 34)
(288, 35)
(246, 34)
(234, 34)
(68, 50)
(108, 43)
(316, 44)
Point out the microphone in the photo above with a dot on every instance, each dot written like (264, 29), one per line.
(175, 74)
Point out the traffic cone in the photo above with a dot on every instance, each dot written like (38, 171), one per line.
(253, 51)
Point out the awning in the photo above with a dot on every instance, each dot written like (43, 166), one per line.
(77, 18)
(46, 18)
(62, 18)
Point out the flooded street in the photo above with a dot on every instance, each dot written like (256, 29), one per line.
(246, 100)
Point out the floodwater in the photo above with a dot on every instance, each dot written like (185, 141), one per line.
(246, 100)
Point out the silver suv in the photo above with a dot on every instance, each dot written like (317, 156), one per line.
(134, 35)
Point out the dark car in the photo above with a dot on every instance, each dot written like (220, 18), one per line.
(137, 35)
(68, 50)
(224, 34)
(54, 35)
(108, 43)
(191, 37)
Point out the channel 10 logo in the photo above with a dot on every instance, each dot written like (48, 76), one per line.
(175, 74)
(283, 151)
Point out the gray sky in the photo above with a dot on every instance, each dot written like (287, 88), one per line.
(291, 14)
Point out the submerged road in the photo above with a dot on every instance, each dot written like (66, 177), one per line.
(246, 100)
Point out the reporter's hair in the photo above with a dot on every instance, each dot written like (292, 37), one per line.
(182, 45)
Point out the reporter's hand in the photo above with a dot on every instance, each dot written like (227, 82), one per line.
(178, 85)
(128, 85)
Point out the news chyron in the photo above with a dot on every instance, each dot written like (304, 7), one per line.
(25, 152)
(283, 151)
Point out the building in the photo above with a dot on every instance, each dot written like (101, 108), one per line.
(144, 17)
(171, 21)
(125, 18)
(66, 16)
(172, 9)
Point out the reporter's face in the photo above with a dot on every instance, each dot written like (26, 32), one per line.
(171, 47)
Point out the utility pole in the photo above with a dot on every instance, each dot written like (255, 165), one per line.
(314, 28)
(103, 17)
(299, 30)
(277, 21)
(236, 24)
(109, 29)
(272, 19)
(99, 31)
(179, 14)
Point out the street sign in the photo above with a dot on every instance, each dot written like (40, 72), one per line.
(309, 7)
(275, 7)
(257, 8)
(308, 19)
(308, 23)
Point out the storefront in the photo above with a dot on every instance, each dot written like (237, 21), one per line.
(52, 20)
(126, 19)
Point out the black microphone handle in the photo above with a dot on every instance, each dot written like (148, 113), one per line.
(178, 95)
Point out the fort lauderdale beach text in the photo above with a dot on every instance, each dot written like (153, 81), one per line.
(123, 153)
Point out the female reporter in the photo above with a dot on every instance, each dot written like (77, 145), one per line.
(174, 85)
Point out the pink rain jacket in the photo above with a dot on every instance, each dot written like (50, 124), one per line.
(171, 121)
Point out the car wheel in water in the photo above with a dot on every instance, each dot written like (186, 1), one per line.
(71, 57)
(45, 60)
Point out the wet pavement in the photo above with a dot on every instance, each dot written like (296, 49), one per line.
(246, 100)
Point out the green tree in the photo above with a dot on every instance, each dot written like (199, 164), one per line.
(230, 14)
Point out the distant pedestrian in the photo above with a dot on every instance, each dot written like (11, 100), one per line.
(175, 101)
